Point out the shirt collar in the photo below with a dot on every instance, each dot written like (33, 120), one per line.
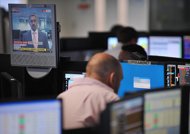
(90, 81)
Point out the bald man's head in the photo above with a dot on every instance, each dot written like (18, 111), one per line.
(106, 69)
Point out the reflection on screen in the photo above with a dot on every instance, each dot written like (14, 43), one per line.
(165, 46)
(162, 112)
(31, 117)
(186, 43)
(126, 116)
(171, 75)
(142, 41)
(69, 77)
(140, 76)
(184, 74)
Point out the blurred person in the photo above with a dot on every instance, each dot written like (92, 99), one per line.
(132, 52)
(126, 36)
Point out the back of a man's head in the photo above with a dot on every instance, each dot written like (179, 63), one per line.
(105, 68)
(128, 35)
(116, 29)
(133, 52)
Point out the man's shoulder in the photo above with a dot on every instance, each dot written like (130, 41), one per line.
(41, 33)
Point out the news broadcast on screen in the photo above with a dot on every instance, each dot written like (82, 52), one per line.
(28, 20)
(33, 35)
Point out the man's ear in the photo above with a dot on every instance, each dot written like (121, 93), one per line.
(112, 80)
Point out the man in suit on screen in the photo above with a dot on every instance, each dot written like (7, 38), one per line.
(34, 37)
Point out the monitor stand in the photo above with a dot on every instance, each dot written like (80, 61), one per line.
(38, 72)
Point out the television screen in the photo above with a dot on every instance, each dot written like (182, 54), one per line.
(162, 111)
(140, 76)
(142, 41)
(168, 46)
(126, 116)
(186, 47)
(33, 32)
(31, 117)
(171, 74)
(184, 74)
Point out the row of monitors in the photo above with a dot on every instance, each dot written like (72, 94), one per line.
(161, 111)
(168, 46)
(154, 75)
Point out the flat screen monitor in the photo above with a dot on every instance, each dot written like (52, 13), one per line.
(138, 77)
(184, 74)
(33, 35)
(31, 117)
(162, 111)
(171, 75)
(113, 41)
(71, 76)
(143, 42)
(126, 116)
(168, 46)
(186, 47)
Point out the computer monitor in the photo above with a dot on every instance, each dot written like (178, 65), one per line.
(31, 117)
(113, 41)
(143, 42)
(126, 116)
(162, 109)
(168, 46)
(184, 74)
(186, 47)
(171, 75)
(70, 76)
(33, 35)
(138, 77)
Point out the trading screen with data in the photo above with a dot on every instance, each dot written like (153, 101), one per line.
(31, 117)
(162, 112)
(126, 116)
(171, 75)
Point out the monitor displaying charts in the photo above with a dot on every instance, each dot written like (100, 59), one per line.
(162, 111)
(171, 75)
(126, 116)
(184, 74)
(31, 117)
